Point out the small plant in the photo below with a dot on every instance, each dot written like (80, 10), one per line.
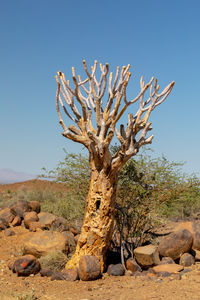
(54, 260)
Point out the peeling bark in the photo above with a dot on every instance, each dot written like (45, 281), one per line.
(98, 221)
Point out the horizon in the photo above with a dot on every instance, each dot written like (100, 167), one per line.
(158, 39)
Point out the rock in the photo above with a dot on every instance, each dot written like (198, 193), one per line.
(41, 242)
(60, 224)
(196, 254)
(116, 270)
(16, 221)
(132, 265)
(26, 265)
(89, 268)
(166, 260)
(57, 276)
(20, 207)
(3, 224)
(7, 215)
(71, 275)
(163, 274)
(187, 260)
(30, 217)
(194, 229)
(176, 243)
(147, 256)
(9, 232)
(35, 206)
(76, 237)
(170, 268)
(71, 241)
(46, 218)
(36, 226)
(46, 272)
(74, 230)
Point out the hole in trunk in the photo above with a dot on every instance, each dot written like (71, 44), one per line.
(98, 204)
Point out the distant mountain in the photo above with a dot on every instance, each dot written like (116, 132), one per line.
(10, 176)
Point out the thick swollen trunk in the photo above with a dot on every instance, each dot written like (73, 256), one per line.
(98, 221)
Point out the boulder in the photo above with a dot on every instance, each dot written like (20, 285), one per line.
(16, 221)
(9, 232)
(42, 242)
(46, 272)
(30, 217)
(35, 206)
(7, 214)
(3, 224)
(89, 268)
(187, 260)
(176, 243)
(71, 275)
(60, 224)
(26, 265)
(170, 268)
(132, 265)
(166, 260)
(71, 241)
(36, 226)
(194, 229)
(20, 207)
(47, 219)
(147, 256)
(116, 270)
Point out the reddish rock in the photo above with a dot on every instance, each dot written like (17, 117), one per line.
(176, 243)
(89, 268)
(71, 275)
(42, 242)
(166, 260)
(170, 268)
(116, 270)
(74, 230)
(132, 265)
(30, 217)
(35, 206)
(3, 224)
(47, 219)
(7, 215)
(187, 260)
(9, 232)
(20, 207)
(16, 221)
(26, 265)
(36, 226)
(147, 255)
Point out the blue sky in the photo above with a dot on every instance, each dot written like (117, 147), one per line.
(38, 38)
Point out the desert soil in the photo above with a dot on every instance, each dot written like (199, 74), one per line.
(108, 288)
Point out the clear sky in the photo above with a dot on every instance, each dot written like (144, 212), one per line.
(38, 38)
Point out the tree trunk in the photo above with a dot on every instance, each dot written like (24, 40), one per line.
(97, 226)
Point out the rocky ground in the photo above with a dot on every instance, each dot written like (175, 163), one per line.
(180, 285)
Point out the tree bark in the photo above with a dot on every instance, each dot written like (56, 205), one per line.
(97, 226)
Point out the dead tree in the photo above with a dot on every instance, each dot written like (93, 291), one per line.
(94, 126)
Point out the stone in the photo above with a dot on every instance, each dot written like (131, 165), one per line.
(16, 221)
(71, 274)
(132, 265)
(71, 241)
(170, 268)
(194, 229)
(116, 270)
(187, 260)
(166, 260)
(74, 230)
(30, 217)
(35, 206)
(60, 224)
(3, 224)
(176, 243)
(36, 226)
(26, 265)
(20, 207)
(57, 276)
(7, 215)
(9, 232)
(46, 272)
(147, 256)
(89, 268)
(46, 218)
(42, 242)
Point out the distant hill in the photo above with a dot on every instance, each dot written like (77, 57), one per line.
(10, 176)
